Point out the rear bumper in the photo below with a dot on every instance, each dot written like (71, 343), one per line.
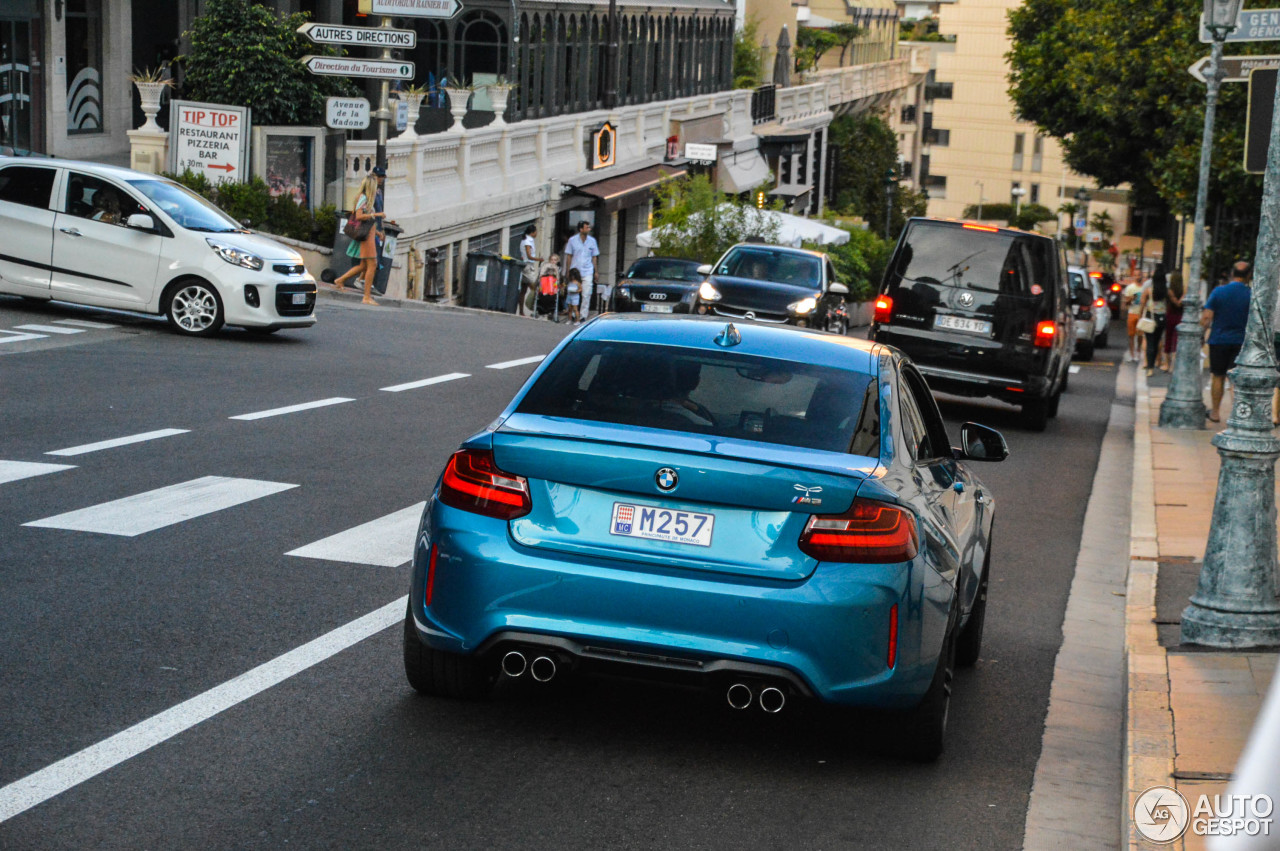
(826, 636)
(971, 384)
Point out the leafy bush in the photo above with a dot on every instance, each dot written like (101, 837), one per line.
(242, 53)
(253, 202)
(695, 221)
(747, 73)
(860, 262)
(1030, 216)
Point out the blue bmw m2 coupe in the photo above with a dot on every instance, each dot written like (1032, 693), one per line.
(772, 512)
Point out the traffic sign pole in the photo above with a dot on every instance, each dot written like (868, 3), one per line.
(384, 105)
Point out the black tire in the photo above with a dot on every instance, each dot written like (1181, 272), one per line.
(922, 731)
(1101, 341)
(1053, 404)
(969, 644)
(1035, 414)
(193, 307)
(837, 325)
(439, 673)
(1066, 378)
(1086, 351)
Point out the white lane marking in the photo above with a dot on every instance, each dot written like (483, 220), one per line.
(49, 329)
(510, 363)
(1073, 369)
(118, 441)
(84, 323)
(146, 512)
(15, 337)
(305, 406)
(426, 382)
(12, 471)
(385, 542)
(21, 795)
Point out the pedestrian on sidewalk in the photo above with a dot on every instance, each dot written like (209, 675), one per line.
(1129, 302)
(1173, 316)
(365, 251)
(574, 298)
(1225, 314)
(528, 274)
(581, 252)
(1155, 295)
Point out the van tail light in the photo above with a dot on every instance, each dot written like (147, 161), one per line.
(1115, 288)
(884, 309)
(1044, 334)
(473, 482)
(1095, 274)
(1100, 303)
(869, 532)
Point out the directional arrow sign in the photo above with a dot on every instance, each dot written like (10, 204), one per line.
(344, 66)
(412, 8)
(1252, 25)
(1237, 68)
(358, 36)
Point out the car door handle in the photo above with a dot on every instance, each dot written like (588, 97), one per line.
(71, 231)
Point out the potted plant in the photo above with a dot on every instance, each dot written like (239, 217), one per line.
(151, 85)
(499, 93)
(459, 96)
(413, 96)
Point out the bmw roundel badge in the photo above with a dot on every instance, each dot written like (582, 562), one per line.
(666, 479)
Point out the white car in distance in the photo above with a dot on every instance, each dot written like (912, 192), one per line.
(98, 235)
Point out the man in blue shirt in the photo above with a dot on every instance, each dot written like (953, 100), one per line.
(1225, 314)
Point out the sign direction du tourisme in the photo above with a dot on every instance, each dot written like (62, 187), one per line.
(1236, 68)
(359, 36)
(347, 66)
(1252, 25)
(411, 8)
(209, 139)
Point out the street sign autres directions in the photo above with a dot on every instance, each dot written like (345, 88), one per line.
(1236, 68)
(1251, 25)
(359, 36)
(412, 8)
(347, 66)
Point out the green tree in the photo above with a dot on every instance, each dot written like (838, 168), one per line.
(747, 73)
(243, 54)
(695, 221)
(1030, 215)
(860, 262)
(866, 149)
(812, 43)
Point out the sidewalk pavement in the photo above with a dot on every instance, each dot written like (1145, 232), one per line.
(1190, 709)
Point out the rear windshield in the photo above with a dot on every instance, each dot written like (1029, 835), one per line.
(974, 259)
(716, 393)
(658, 269)
(766, 264)
(1076, 280)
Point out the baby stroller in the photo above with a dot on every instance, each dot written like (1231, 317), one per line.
(550, 298)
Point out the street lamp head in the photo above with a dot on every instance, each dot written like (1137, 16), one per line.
(1082, 195)
(1018, 191)
(1221, 13)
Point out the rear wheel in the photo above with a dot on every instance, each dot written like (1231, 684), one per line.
(923, 730)
(1086, 351)
(439, 673)
(1053, 404)
(969, 644)
(1101, 342)
(1035, 414)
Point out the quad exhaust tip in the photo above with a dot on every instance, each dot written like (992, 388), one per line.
(739, 695)
(543, 669)
(772, 700)
(514, 664)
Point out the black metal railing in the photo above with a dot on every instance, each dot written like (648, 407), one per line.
(764, 103)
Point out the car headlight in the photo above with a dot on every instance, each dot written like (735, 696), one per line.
(624, 292)
(803, 306)
(707, 292)
(235, 256)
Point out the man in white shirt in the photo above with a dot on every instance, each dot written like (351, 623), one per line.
(581, 252)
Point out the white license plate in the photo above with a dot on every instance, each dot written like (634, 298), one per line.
(657, 308)
(299, 298)
(962, 323)
(661, 524)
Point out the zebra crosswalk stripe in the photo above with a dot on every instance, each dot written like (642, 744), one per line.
(385, 542)
(12, 471)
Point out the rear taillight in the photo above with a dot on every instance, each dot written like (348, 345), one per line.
(1115, 288)
(473, 482)
(1100, 303)
(884, 309)
(869, 532)
(1044, 334)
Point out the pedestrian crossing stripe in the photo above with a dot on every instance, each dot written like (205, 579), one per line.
(12, 471)
(156, 509)
(385, 542)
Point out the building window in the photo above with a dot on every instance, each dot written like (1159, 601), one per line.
(941, 138)
(84, 66)
(938, 91)
(936, 186)
(1035, 193)
(1019, 142)
(909, 114)
(1037, 152)
(490, 242)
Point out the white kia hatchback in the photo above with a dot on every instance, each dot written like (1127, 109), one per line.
(113, 237)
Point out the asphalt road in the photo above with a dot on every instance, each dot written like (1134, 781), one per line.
(104, 631)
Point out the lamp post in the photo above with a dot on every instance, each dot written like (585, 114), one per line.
(1082, 199)
(1017, 192)
(1183, 407)
(1237, 600)
(978, 183)
(889, 181)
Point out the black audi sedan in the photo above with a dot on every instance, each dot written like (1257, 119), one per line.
(658, 285)
(774, 283)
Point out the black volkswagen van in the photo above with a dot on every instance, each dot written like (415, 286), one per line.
(982, 310)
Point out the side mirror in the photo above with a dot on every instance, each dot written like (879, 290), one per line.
(979, 443)
(141, 221)
(838, 289)
(704, 269)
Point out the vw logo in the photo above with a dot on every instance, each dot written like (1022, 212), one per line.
(749, 315)
(657, 296)
(666, 479)
(966, 299)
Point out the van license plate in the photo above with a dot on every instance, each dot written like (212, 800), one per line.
(661, 524)
(963, 323)
(299, 298)
(657, 308)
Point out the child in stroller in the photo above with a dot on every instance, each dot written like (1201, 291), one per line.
(549, 300)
